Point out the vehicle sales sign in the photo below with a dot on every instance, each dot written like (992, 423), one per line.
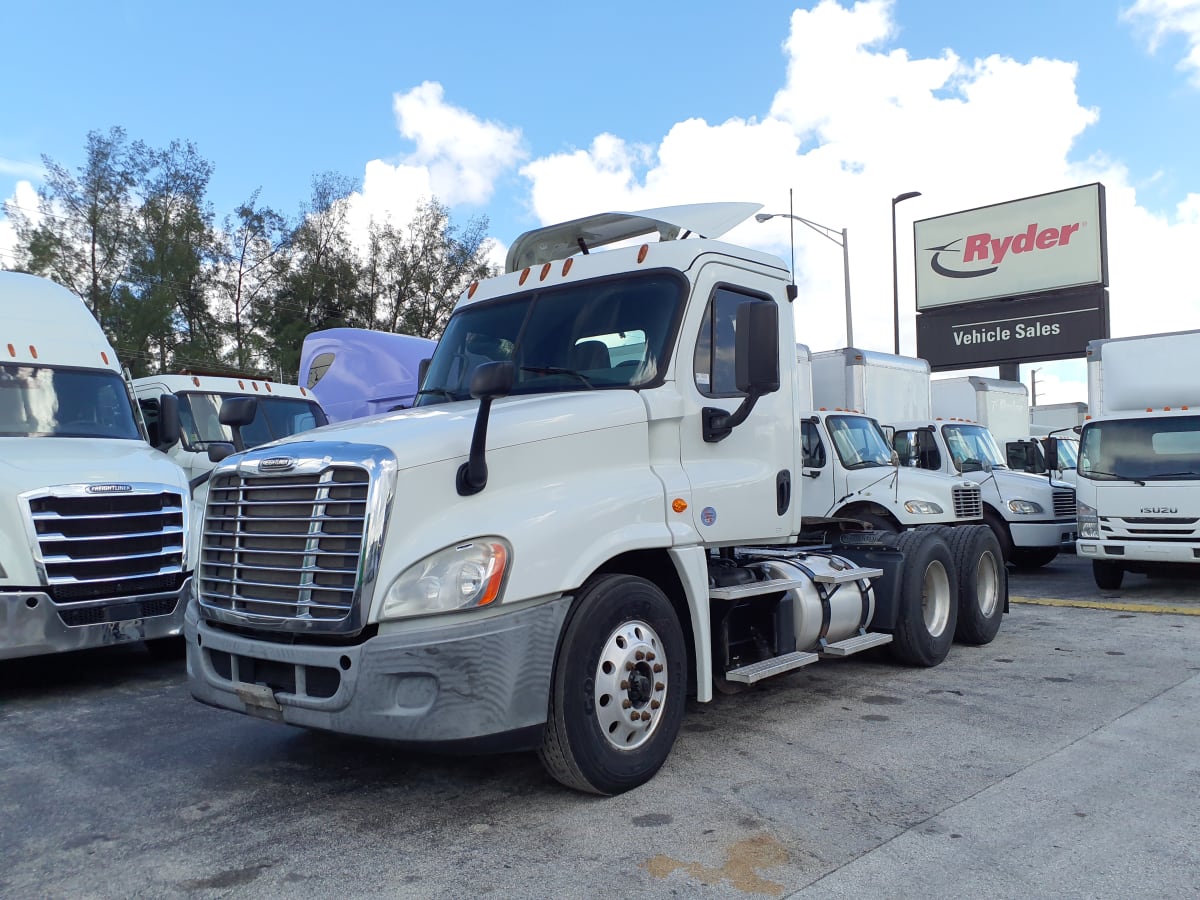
(1015, 249)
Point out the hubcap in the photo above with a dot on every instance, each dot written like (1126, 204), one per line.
(987, 584)
(935, 598)
(631, 685)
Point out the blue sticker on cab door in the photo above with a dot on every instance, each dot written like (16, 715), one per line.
(708, 515)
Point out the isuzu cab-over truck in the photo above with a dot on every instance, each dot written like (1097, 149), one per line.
(564, 540)
(1139, 457)
(93, 521)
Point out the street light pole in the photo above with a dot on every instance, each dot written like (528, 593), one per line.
(899, 198)
(840, 238)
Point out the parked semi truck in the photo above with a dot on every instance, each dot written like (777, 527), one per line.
(93, 520)
(1031, 517)
(356, 372)
(282, 410)
(558, 545)
(1139, 457)
(853, 471)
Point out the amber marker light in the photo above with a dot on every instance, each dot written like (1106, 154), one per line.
(33, 351)
(267, 385)
(524, 276)
(104, 356)
(472, 289)
(195, 381)
(499, 564)
(12, 351)
(567, 263)
(545, 271)
(679, 504)
(642, 252)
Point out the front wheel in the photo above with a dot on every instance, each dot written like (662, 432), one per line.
(1108, 575)
(928, 609)
(617, 698)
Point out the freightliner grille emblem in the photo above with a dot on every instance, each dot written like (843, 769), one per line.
(109, 488)
(276, 464)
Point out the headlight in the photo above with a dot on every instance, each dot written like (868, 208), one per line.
(1024, 507)
(1089, 522)
(466, 575)
(922, 507)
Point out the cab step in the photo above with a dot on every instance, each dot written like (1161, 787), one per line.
(756, 588)
(776, 665)
(856, 644)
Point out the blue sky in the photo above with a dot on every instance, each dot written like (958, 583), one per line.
(538, 112)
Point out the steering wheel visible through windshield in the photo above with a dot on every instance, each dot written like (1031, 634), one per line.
(605, 333)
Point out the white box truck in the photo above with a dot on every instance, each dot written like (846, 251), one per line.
(1139, 457)
(282, 410)
(93, 520)
(853, 471)
(1031, 516)
(556, 547)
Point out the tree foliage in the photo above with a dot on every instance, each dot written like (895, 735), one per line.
(133, 234)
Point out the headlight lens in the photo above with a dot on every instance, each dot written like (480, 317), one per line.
(1089, 522)
(922, 507)
(1024, 507)
(466, 575)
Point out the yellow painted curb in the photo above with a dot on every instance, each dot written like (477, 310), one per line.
(1112, 605)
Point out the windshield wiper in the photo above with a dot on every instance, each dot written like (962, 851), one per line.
(449, 395)
(866, 464)
(558, 370)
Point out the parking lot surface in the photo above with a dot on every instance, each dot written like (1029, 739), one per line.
(1058, 761)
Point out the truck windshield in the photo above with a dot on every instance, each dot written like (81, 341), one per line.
(1150, 449)
(595, 335)
(47, 401)
(277, 417)
(971, 446)
(859, 442)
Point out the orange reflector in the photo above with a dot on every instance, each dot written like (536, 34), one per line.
(104, 356)
(499, 564)
(472, 289)
(255, 384)
(524, 275)
(567, 265)
(33, 351)
(12, 351)
(267, 385)
(195, 381)
(679, 504)
(303, 392)
(545, 272)
(642, 252)
(241, 384)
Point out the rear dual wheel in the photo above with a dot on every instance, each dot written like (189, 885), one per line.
(928, 608)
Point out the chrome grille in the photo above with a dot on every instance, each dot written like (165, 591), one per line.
(101, 547)
(1064, 504)
(968, 501)
(284, 548)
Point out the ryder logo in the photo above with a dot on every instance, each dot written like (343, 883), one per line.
(992, 251)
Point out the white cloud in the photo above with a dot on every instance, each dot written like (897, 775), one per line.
(1160, 19)
(857, 122)
(25, 198)
(15, 168)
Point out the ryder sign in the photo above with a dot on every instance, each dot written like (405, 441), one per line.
(1015, 249)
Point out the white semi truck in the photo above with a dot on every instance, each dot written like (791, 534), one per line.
(282, 410)
(1031, 516)
(93, 520)
(853, 471)
(1139, 457)
(556, 547)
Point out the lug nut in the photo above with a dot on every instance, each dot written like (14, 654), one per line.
(658, 667)
(649, 657)
(659, 686)
(654, 704)
(628, 667)
(625, 704)
(639, 655)
(624, 685)
(645, 717)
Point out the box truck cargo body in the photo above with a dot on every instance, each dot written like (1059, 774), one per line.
(1139, 456)
(93, 520)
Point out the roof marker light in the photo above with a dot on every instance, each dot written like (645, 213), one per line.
(545, 271)
(195, 381)
(104, 356)
(267, 385)
(524, 275)
(254, 384)
(12, 351)
(472, 289)
(645, 248)
(33, 351)
(567, 264)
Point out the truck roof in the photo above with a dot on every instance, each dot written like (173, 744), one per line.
(552, 242)
(856, 356)
(44, 323)
(217, 384)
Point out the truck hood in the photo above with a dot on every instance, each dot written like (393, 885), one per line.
(1128, 500)
(29, 463)
(431, 434)
(921, 484)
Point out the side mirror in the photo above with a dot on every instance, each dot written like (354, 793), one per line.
(488, 381)
(238, 412)
(756, 348)
(169, 429)
(218, 450)
(422, 370)
(1050, 451)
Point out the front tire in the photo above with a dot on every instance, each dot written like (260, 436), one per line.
(617, 697)
(1108, 575)
(982, 582)
(928, 612)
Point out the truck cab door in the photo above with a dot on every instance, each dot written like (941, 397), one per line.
(819, 471)
(743, 485)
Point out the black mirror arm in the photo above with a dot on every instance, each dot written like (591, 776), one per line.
(719, 423)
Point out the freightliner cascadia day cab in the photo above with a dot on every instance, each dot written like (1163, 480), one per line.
(853, 472)
(1139, 457)
(1030, 516)
(282, 410)
(356, 372)
(93, 520)
(556, 547)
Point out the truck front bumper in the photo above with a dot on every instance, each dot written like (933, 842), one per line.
(1139, 551)
(31, 624)
(469, 682)
(1042, 534)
